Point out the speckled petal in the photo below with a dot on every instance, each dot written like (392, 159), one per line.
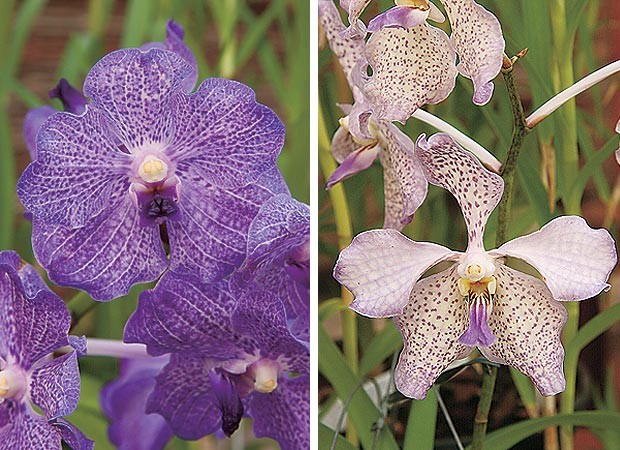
(182, 315)
(381, 267)
(210, 241)
(224, 135)
(359, 160)
(74, 438)
(183, 395)
(55, 386)
(78, 172)
(477, 190)
(343, 145)
(411, 67)
(32, 122)
(26, 430)
(527, 322)
(398, 16)
(284, 414)
(106, 257)
(137, 92)
(348, 50)
(430, 325)
(124, 403)
(405, 186)
(574, 259)
(477, 37)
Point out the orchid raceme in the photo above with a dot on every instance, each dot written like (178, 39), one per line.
(34, 323)
(511, 317)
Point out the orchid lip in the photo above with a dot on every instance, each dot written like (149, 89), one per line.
(479, 295)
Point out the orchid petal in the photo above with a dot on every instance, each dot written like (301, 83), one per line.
(355, 8)
(477, 190)
(430, 324)
(284, 414)
(574, 259)
(348, 50)
(32, 123)
(411, 67)
(359, 160)
(527, 322)
(55, 386)
(25, 429)
(72, 436)
(435, 14)
(380, 267)
(72, 100)
(343, 145)
(398, 16)
(477, 37)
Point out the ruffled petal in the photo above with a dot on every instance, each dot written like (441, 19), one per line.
(398, 16)
(224, 135)
(26, 430)
(359, 160)
(380, 268)
(32, 122)
(137, 92)
(355, 8)
(78, 172)
(210, 241)
(477, 37)
(284, 414)
(411, 67)
(183, 395)
(574, 259)
(430, 325)
(182, 315)
(348, 50)
(55, 386)
(124, 403)
(527, 322)
(476, 190)
(106, 257)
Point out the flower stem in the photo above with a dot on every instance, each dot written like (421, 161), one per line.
(520, 130)
(344, 230)
(80, 305)
(115, 349)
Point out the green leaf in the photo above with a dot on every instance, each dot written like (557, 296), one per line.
(420, 433)
(593, 329)
(330, 307)
(326, 437)
(384, 344)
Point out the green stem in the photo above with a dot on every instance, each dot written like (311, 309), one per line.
(344, 231)
(520, 130)
(80, 305)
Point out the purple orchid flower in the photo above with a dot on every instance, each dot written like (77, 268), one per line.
(124, 402)
(34, 323)
(405, 51)
(225, 349)
(145, 160)
(512, 317)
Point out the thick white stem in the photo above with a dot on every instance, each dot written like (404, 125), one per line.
(555, 102)
(115, 349)
(468, 143)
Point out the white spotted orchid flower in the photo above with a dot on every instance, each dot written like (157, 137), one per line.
(414, 63)
(511, 317)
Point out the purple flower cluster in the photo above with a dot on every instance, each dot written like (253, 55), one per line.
(140, 179)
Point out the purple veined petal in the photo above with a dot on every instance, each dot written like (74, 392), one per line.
(342, 145)
(174, 43)
(398, 16)
(527, 322)
(32, 123)
(211, 240)
(182, 315)
(430, 325)
(260, 315)
(183, 396)
(477, 37)
(111, 253)
(284, 414)
(348, 50)
(359, 160)
(123, 401)
(55, 386)
(405, 186)
(30, 328)
(380, 267)
(136, 91)
(72, 100)
(78, 173)
(24, 429)
(222, 133)
(477, 190)
(72, 436)
(574, 259)
(411, 67)
(78, 343)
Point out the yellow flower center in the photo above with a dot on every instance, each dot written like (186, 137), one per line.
(153, 169)
(422, 5)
